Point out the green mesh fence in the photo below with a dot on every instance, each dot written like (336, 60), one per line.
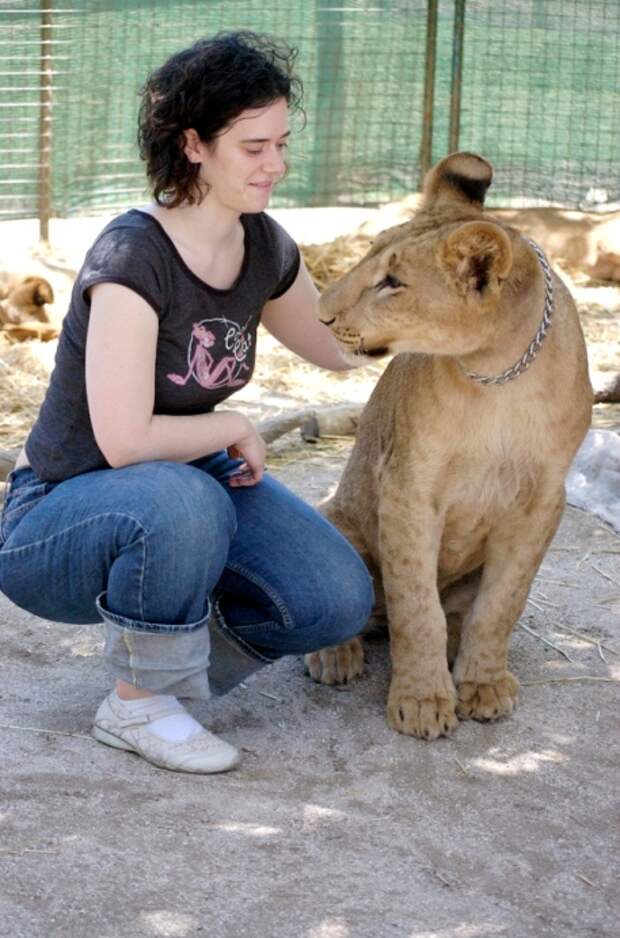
(539, 96)
(362, 64)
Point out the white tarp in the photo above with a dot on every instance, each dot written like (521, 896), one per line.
(593, 482)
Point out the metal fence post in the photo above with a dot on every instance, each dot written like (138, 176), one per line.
(45, 121)
(426, 144)
(457, 74)
(330, 113)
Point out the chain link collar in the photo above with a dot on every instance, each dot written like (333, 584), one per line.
(532, 350)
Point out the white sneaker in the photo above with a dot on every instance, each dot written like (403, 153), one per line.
(203, 752)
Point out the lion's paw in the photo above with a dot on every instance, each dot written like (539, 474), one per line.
(337, 664)
(426, 717)
(487, 701)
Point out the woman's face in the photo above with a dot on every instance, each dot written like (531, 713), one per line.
(246, 160)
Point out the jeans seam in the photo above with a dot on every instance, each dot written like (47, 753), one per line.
(7, 511)
(12, 516)
(268, 623)
(127, 642)
(142, 575)
(73, 527)
(142, 541)
(267, 588)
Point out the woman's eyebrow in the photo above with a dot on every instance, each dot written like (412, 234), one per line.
(264, 139)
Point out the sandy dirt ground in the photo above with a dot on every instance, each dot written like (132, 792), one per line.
(333, 826)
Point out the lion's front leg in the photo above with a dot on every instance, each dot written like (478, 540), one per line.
(421, 700)
(486, 688)
(422, 705)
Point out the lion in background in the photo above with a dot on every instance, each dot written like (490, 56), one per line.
(23, 312)
(455, 485)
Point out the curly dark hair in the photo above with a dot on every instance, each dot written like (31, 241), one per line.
(206, 87)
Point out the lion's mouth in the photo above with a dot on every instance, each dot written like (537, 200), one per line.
(355, 345)
(377, 352)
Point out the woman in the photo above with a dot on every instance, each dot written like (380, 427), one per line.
(134, 501)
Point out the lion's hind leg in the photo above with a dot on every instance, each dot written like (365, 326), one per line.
(340, 664)
(337, 664)
(456, 600)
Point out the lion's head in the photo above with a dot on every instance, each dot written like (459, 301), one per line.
(437, 283)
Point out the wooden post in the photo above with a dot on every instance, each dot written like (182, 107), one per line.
(45, 121)
(457, 74)
(426, 144)
(329, 116)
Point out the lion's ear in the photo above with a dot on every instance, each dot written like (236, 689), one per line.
(459, 177)
(476, 257)
(40, 289)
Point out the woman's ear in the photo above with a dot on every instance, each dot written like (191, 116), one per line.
(192, 145)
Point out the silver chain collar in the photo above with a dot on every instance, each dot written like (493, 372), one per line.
(532, 350)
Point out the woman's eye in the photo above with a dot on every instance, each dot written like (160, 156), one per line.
(281, 146)
(391, 282)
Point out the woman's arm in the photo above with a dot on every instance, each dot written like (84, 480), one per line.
(120, 387)
(294, 320)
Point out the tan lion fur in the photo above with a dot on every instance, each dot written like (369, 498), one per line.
(23, 299)
(454, 490)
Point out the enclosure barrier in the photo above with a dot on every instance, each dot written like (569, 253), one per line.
(390, 87)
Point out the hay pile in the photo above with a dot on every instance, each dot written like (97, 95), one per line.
(327, 262)
(25, 368)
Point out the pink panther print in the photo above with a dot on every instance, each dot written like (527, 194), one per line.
(207, 372)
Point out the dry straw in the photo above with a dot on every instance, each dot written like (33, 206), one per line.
(328, 262)
(24, 375)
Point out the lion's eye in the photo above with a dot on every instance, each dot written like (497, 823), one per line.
(391, 282)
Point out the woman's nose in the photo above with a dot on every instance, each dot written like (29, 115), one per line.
(275, 161)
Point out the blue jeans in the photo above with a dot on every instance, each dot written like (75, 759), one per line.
(182, 569)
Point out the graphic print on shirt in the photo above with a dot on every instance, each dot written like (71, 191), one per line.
(207, 370)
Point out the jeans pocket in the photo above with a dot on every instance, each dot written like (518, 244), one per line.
(24, 491)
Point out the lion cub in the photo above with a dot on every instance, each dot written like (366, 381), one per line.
(455, 486)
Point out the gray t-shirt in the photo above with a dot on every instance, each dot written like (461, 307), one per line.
(206, 342)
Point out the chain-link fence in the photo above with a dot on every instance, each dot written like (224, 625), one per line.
(540, 98)
(389, 84)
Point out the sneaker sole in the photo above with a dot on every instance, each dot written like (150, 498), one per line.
(109, 739)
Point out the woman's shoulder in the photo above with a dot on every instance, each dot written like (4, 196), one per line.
(272, 239)
(277, 244)
(260, 224)
(130, 240)
(127, 251)
(133, 225)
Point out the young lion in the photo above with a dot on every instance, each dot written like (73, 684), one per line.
(455, 485)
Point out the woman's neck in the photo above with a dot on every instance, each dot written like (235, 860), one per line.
(204, 224)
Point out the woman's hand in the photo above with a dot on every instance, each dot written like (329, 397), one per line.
(252, 449)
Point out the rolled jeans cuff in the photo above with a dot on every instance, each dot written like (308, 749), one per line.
(163, 659)
(232, 659)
